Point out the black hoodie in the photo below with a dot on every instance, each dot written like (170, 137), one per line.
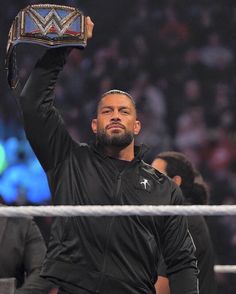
(105, 254)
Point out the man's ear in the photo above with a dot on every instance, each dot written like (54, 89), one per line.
(178, 180)
(137, 127)
(94, 125)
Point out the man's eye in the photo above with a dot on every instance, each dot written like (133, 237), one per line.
(106, 111)
(125, 111)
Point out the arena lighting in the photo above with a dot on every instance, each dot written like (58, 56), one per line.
(3, 162)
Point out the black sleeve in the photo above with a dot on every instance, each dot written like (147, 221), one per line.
(178, 251)
(43, 124)
(34, 253)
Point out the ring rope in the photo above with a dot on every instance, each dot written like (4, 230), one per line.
(229, 269)
(125, 210)
(116, 210)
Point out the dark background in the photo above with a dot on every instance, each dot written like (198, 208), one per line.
(177, 58)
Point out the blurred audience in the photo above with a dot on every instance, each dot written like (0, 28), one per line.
(178, 60)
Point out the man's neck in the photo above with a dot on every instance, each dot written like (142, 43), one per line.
(122, 153)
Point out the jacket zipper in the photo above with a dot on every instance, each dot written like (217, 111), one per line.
(108, 234)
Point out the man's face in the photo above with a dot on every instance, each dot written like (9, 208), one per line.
(160, 165)
(116, 122)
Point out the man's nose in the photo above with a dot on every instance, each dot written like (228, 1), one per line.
(116, 116)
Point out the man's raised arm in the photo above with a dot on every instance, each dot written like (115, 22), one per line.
(43, 124)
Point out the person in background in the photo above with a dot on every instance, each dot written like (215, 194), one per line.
(22, 250)
(181, 171)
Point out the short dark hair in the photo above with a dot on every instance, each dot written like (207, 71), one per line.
(200, 193)
(178, 164)
(116, 91)
(120, 92)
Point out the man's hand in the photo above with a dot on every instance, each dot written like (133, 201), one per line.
(89, 27)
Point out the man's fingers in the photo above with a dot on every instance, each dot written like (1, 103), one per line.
(89, 26)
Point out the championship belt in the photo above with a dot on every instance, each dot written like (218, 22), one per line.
(47, 25)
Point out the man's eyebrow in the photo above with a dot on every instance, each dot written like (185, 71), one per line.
(125, 108)
(120, 107)
(106, 107)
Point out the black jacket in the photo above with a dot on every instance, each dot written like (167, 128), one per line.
(100, 254)
(22, 251)
(204, 254)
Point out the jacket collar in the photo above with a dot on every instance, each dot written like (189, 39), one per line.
(139, 151)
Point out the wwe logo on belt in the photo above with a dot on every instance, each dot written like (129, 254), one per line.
(52, 21)
(44, 24)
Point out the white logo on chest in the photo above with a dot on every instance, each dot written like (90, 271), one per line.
(145, 183)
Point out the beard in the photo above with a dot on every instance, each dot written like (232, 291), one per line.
(114, 140)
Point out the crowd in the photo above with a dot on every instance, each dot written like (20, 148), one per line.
(177, 59)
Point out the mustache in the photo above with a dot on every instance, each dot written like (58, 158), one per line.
(115, 124)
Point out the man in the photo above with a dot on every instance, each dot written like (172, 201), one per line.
(106, 254)
(180, 170)
(22, 251)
